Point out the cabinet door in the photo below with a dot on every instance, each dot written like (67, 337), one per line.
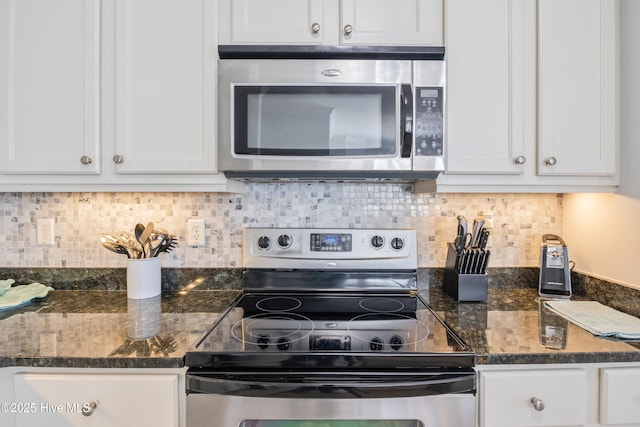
(505, 398)
(490, 86)
(620, 396)
(383, 22)
(165, 86)
(577, 87)
(278, 21)
(49, 86)
(121, 400)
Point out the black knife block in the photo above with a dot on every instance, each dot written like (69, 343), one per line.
(463, 287)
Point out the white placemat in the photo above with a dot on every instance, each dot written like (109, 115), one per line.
(598, 318)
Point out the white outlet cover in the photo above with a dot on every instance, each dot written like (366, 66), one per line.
(45, 232)
(196, 232)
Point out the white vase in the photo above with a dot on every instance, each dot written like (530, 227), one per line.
(143, 278)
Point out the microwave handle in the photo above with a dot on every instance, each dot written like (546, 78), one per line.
(406, 113)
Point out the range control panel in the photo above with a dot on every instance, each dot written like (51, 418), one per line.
(329, 248)
(282, 340)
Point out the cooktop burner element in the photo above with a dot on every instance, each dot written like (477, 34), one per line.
(381, 304)
(341, 298)
(278, 303)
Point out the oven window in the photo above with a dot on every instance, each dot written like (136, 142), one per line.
(315, 120)
(322, 423)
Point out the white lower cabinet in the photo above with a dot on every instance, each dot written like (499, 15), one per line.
(620, 396)
(541, 397)
(92, 397)
(559, 395)
(97, 400)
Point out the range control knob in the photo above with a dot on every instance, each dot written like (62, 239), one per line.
(397, 243)
(376, 344)
(263, 341)
(377, 241)
(284, 241)
(396, 342)
(264, 242)
(284, 344)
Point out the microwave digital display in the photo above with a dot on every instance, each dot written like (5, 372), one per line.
(429, 93)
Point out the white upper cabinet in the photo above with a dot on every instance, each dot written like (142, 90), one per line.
(120, 91)
(165, 56)
(50, 86)
(332, 22)
(577, 87)
(399, 22)
(490, 85)
(532, 99)
(278, 21)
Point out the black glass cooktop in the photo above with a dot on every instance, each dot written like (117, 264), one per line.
(339, 330)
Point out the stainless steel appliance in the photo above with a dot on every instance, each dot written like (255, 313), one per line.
(330, 331)
(555, 271)
(313, 113)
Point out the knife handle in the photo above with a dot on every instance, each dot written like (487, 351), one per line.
(461, 236)
(484, 238)
(478, 227)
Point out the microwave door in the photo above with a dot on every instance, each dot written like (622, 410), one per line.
(335, 126)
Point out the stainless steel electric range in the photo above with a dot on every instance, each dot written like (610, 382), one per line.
(330, 331)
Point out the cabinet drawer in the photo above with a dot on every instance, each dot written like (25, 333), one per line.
(620, 396)
(121, 399)
(506, 398)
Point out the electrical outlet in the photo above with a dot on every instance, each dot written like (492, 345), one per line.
(45, 232)
(195, 233)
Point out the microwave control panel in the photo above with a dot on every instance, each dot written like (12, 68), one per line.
(429, 121)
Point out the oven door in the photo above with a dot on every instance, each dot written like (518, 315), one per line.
(302, 115)
(331, 400)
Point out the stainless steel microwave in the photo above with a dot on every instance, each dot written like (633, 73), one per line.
(359, 118)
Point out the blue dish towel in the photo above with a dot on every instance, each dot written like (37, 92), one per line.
(598, 319)
(16, 296)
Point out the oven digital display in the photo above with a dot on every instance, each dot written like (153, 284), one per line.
(320, 342)
(330, 242)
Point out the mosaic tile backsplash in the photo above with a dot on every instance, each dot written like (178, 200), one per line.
(80, 218)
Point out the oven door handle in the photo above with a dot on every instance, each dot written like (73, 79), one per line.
(332, 386)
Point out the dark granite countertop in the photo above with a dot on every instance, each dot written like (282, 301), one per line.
(73, 327)
(513, 327)
(105, 329)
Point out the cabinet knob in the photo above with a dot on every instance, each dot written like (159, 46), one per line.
(86, 160)
(315, 28)
(550, 161)
(520, 160)
(118, 159)
(348, 29)
(538, 404)
(88, 408)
